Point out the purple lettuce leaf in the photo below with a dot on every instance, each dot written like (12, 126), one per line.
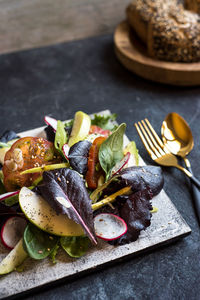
(7, 210)
(78, 156)
(145, 182)
(50, 133)
(136, 213)
(65, 191)
(143, 178)
(138, 178)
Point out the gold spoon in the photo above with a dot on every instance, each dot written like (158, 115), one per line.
(177, 137)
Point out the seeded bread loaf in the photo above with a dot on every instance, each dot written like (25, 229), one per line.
(169, 31)
(140, 13)
(193, 5)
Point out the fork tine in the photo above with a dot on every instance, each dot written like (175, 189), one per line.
(148, 139)
(154, 133)
(160, 142)
(147, 142)
(151, 153)
(154, 141)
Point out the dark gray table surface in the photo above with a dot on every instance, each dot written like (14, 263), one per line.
(85, 75)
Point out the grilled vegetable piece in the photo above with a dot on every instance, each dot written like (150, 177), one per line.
(26, 153)
(94, 169)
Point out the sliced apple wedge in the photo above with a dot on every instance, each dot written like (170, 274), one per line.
(40, 213)
(80, 129)
(13, 259)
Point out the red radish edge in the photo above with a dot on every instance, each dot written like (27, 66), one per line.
(117, 217)
(7, 195)
(65, 150)
(117, 168)
(6, 224)
(51, 121)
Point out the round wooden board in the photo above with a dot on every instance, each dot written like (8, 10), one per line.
(133, 55)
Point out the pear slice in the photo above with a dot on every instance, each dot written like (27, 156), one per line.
(80, 129)
(13, 259)
(40, 213)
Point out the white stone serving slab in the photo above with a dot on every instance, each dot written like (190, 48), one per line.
(166, 226)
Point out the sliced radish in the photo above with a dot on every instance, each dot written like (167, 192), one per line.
(65, 150)
(120, 165)
(12, 231)
(109, 227)
(7, 195)
(51, 121)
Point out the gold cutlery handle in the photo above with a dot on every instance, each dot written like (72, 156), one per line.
(195, 191)
(190, 175)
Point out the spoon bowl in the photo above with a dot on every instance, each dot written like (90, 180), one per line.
(177, 135)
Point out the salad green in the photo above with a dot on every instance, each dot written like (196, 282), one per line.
(75, 246)
(105, 122)
(60, 209)
(38, 243)
(60, 137)
(111, 150)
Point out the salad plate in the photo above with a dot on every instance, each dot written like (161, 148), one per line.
(166, 226)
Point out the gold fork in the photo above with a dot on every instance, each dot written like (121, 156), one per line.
(157, 150)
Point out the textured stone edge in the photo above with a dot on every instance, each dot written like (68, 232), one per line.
(162, 231)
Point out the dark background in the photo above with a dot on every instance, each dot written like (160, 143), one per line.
(85, 75)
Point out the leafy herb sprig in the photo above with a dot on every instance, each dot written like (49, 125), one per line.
(105, 122)
(111, 150)
(61, 137)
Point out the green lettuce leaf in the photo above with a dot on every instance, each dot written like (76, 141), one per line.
(111, 150)
(105, 122)
(2, 188)
(38, 243)
(75, 246)
(10, 201)
(61, 137)
(54, 253)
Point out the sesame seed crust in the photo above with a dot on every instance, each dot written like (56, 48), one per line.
(169, 31)
(193, 5)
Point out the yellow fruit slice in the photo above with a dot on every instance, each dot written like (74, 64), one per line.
(80, 129)
(13, 259)
(40, 213)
